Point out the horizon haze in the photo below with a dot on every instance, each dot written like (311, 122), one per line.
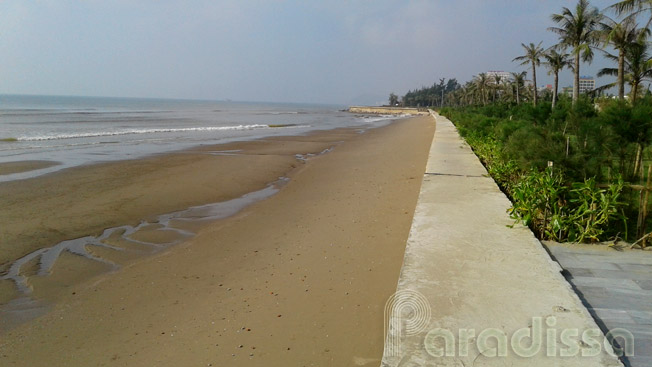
(330, 52)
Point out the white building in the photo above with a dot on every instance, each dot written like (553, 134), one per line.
(587, 84)
(504, 76)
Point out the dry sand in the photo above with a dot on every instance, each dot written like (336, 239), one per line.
(299, 279)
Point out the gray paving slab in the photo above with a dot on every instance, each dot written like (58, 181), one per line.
(609, 315)
(586, 264)
(601, 282)
(616, 298)
(470, 285)
(644, 284)
(619, 274)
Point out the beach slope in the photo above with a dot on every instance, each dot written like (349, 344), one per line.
(299, 279)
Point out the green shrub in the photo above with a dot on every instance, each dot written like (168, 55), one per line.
(565, 204)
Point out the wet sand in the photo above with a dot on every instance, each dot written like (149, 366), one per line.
(81, 201)
(298, 279)
(24, 166)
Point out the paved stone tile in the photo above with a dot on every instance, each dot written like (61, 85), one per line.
(619, 274)
(642, 347)
(579, 272)
(613, 316)
(610, 283)
(610, 301)
(636, 329)
(585, 264)
(644, 284)
(638, 268)
(641, 317)
(617, 289)
(639, 361)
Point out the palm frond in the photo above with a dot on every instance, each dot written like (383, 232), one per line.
(608, 71)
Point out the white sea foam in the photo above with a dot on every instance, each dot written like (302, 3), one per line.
(377, 118)
(138, 131)
(80, 130)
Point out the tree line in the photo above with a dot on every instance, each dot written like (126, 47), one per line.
(574, 167)
(583, 30)
(426, 96)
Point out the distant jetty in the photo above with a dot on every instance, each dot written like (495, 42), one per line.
(386, 110)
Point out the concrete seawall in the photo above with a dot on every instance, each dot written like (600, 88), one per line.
(387, 110)
(474, 292)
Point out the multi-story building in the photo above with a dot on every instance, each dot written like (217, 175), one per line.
(567, 91)
(587, 84)
(504, 76)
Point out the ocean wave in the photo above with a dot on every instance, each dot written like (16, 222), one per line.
(140, 131)
(377, 118)
(278, 113)
(54, 112)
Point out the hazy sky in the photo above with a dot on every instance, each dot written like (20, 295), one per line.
(327, 51)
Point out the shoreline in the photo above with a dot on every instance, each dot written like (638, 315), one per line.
(280, 158)
(271, 258)
(10, 168)
(102, 238)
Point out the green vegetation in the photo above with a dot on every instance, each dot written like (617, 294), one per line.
(427, 96)
(281, 125)
(574, 166)
(9, 139)
(562, 202)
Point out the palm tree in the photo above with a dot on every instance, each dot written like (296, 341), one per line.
(579, 32)
(533, 54)
(620, 36)
(519, 79)
(555, 62)
(637, 67)
(442, 82)
(469, 93)
(640, 67)
(496, 84)
(634, 8)
(481, 82)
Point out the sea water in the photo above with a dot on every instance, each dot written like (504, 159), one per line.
(82, 130)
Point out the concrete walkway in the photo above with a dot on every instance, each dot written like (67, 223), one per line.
(471, 288)
(616, 286)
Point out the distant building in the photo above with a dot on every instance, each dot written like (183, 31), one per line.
(548, 86)
(587, 84)
(567, 91)
(504, 76)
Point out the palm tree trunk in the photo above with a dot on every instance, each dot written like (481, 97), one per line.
(576, 82)
(637, 160)
(621, 75)
(518, 96)
(534, 80)
(554, 91)
(634, 92)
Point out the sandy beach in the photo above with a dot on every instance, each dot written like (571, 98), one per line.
(298, 279)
